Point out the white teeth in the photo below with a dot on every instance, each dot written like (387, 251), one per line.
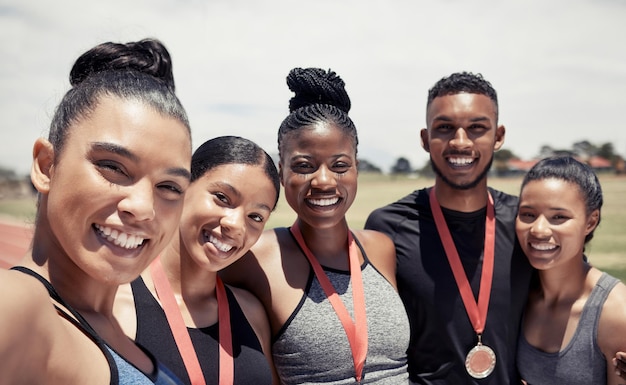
(125, 240)
(543, 246)
(461, 161)
(221, 246)
(324, 202)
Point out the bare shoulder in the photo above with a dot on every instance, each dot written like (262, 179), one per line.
(267, 247)
(243, 273)
(375, 239)
(612, 324)
(380, 251)
(28, 325)
(22, 296)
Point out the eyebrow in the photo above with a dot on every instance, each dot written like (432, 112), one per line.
(126, 153)
(234, 191)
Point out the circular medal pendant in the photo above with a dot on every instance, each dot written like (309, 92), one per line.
(480, 361)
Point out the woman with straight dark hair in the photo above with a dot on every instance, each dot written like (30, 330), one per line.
(206, 332)
(573, 324)
(111, 179)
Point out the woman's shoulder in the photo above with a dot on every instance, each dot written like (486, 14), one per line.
(267, 245)
(376, 241)
(380, 251)
(23, 295)
(612, 323)
(28, 321)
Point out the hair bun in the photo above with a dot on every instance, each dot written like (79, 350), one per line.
(317, 86)
(148, 56)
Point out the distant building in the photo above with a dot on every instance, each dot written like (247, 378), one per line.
(599, 164)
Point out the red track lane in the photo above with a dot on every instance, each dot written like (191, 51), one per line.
(14, 242)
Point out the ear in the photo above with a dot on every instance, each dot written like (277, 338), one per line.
(280, 173)
(424, 139)
(43, 164)
(592, 221)
(500, 133)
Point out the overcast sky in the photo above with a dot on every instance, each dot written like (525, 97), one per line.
(559, 66)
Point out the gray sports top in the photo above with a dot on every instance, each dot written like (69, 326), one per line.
(581, 361)
(312, 347)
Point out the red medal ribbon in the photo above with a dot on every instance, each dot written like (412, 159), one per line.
(181, 335)
(477, 312)
(356, 330)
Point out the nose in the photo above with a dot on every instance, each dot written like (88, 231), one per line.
(233, 222)
(460, 139)
(323, 178)
(139, 201)
(540, 228)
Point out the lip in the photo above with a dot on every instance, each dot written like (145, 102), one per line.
(461, 162)
(543, 247)
(121, 241)
(217, 245)
(323, 203)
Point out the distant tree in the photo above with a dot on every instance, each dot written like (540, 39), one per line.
(584, 149)
(367, 166)
(427, 170)
(501, 159)
(546, 151)
(504, 155)
(6, 174)
(607, 151)
(402, 166)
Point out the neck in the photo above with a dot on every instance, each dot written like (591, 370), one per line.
(461, 200)
(566, 283)
(77, 288)
(187, 279)
(328, 245)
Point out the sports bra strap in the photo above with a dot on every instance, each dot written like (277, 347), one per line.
(78, 319)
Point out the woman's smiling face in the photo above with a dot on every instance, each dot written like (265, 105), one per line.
(552, 222)
(319, 173)
(225, 212)
(115, 192)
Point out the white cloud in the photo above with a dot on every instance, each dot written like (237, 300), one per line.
(557, 66)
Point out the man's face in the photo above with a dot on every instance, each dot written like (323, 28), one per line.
(461, 137)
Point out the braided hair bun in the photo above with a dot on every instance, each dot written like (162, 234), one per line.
(317, 86)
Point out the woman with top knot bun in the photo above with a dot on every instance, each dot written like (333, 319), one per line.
(330, 291)
(111, 179)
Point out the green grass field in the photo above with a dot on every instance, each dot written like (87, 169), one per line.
(607, 250)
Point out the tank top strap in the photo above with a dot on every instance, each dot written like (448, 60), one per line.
(75, 318)
(358, 244)
(55, 296)
(607, 282)
(598, 295)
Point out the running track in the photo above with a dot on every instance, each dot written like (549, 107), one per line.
(14, 242)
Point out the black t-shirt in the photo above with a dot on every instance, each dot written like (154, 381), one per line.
(441, 333)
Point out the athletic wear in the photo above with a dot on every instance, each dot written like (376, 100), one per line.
(581, 361)
(122, 371)
(153, 332)
(441, 332)
(312, 347)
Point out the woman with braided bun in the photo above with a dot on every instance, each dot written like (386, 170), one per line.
(329, 291)
(111, 179)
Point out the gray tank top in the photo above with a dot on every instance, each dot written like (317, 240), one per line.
(581, 361)
(312, 347)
